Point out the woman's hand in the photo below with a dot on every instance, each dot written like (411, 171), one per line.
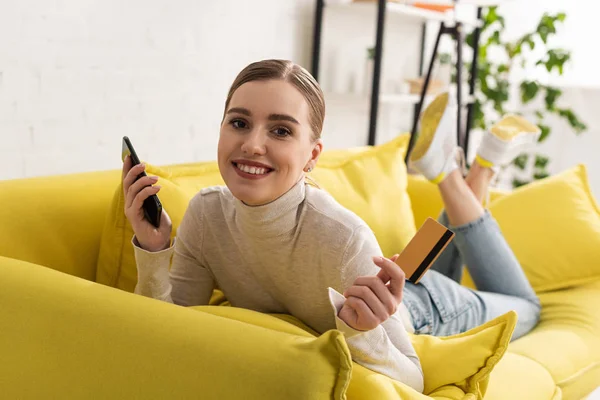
(148, 236)
(371, 299)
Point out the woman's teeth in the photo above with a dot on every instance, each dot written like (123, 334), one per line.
(252, 170)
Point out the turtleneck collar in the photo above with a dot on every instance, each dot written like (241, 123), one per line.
(271, 219)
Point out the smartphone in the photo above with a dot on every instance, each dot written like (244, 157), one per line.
(423, 249)
(152, 205)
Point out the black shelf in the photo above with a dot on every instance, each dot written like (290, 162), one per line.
(456, 32)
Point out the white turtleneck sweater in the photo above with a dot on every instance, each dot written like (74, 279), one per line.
(294, 255)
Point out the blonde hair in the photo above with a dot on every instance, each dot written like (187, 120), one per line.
(287, 71)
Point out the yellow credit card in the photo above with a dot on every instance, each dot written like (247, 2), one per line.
(423, 249)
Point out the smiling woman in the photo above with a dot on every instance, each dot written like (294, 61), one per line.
(270, 131)
(274, 244)
(271, 242)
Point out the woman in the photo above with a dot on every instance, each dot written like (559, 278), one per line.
(273, 244)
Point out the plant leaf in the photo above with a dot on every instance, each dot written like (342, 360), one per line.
(541, 161)
(541, 175)
(545, 132)
(573, 120)
(491, 16)
(495, 38)
(518, 183)
(555, 58)
(551, 95)
(529, 89)
(470, 39)
(502, 68)
(521, 161)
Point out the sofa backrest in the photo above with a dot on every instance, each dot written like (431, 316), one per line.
(56, 221)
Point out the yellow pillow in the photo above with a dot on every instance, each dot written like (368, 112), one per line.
(116, 261)
(65, 337)
(371, 182)
(55, 221)
(553, 226)
(457, 364)
(193, 177)
(466, 359)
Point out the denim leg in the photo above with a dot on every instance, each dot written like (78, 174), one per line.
(449, 262)
(440, 306)
(496, 272)
(528, 310)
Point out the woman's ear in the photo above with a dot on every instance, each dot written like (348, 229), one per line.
(315, 153)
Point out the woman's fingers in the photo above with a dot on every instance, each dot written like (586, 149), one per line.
(131, 176)
(395, 274)
(372, 301)
(382, 274)
(137, 186)
(375, 286)
(365, 319)
(143, 195)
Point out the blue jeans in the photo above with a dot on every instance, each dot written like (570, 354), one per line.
(440, 306)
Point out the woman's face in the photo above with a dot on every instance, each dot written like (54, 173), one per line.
(266, 141)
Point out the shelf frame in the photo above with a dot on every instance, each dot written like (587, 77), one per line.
(447, 26)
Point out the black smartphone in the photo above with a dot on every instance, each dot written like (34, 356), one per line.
(152, 205)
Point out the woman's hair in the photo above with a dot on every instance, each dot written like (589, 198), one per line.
(296, 75)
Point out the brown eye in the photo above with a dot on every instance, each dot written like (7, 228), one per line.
(282, 132)
(238, 124)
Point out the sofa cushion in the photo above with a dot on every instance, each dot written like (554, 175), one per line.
(462, 361)
(372, 182)
(56, 221)
(65, 337)
(116, 265)
(465, 359)
(567, 340)
(518, 377)
(553, 226)
(193, 177)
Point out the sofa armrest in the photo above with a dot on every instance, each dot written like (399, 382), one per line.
(65, 337)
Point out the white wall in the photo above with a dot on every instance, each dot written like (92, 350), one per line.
(77, 75)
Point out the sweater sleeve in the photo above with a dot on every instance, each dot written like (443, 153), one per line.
(188, 282)
(386, 349)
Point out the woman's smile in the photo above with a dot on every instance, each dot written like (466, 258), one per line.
(251, 170)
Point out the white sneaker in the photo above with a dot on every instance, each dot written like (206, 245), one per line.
(505, 140)
(434, 154)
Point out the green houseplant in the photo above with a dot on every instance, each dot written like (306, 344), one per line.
(493, 82)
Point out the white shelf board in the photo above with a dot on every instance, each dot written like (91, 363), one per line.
(387, 98)
(410, 12)
(476, 3)
(414, 98)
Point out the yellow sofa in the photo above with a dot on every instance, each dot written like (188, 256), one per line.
(63, 335)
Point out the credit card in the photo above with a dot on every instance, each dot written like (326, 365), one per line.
(423, 249)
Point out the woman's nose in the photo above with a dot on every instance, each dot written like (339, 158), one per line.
(254, 143)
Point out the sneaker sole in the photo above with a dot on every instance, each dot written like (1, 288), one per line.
(432, 115)
(496, 148)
